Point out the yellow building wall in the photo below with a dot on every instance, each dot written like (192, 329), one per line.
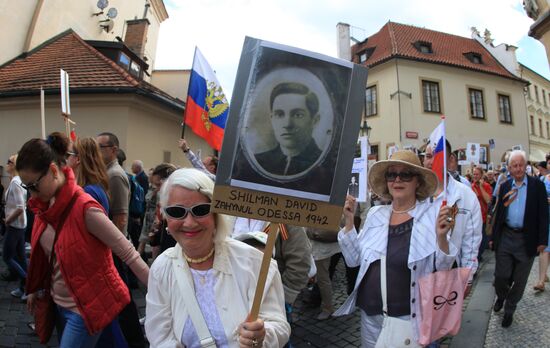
(56, 16)
(453, 83)
(145, 128)
(385, 124)
(540, 110)
(173, 82)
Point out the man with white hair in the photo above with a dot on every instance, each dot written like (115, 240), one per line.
(141, 176)
(519, 234)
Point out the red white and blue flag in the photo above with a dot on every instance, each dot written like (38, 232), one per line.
(207, 107)
(437, 142)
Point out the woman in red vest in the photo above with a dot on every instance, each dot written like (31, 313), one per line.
(72, 239)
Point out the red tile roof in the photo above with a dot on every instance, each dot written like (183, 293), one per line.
(88, 70)
(395, 40)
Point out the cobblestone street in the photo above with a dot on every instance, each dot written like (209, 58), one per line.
(530, 327)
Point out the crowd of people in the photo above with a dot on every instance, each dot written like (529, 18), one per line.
(200, 269)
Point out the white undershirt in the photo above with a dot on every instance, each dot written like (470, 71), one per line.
(204, 291)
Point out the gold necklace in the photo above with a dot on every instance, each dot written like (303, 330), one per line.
(403, 211)
(201, 274)
(201, 259)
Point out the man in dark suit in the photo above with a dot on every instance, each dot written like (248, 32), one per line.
(519, 234)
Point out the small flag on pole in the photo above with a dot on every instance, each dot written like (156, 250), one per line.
(437, 142)
(207, 107)
(65, 102)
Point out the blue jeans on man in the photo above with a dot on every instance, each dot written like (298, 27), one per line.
(13, 252)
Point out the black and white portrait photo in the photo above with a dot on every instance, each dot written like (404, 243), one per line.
(290, 122)
(353, 186)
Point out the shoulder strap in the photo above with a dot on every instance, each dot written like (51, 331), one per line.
(205, 338)
(383, 285)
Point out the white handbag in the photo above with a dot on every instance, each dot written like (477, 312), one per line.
(205, 338)
(396, 333)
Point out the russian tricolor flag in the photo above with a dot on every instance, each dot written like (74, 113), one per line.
(437, 141)
(207, 107)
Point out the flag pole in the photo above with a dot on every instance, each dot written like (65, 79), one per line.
(187, 99)
(42, 113)
(444, 161)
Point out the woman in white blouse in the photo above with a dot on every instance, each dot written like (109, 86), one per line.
(406, 234)
(201, 290)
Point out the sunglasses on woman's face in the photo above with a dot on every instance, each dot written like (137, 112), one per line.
(405, 176)
(179, 212)
(33, 187)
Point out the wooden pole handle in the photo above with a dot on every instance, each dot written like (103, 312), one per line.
(258, 295)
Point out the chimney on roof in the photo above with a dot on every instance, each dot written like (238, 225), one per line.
(343, 39)
(136, 35)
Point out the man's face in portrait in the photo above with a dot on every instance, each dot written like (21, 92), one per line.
(292, 122)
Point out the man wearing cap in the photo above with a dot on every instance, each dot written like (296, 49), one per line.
(466, 232)
(519, 234)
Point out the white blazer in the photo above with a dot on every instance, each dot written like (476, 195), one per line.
(368, 246)
(237, 267)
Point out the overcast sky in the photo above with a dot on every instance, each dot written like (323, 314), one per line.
(218, 27)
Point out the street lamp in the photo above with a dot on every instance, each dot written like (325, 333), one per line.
(364, 129)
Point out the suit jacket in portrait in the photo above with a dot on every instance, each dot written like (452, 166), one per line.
(317, 180)
(276, 162)
(535, 220)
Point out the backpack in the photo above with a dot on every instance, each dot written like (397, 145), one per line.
(137, 197)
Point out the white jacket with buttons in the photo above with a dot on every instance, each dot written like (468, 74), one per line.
(368, 246)
(237, 267)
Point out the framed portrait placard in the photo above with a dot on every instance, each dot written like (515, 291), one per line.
(289, 140)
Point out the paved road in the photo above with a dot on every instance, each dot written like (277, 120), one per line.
(531, 327)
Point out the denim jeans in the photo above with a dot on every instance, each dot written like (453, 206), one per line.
(73, 332)
(14, 252)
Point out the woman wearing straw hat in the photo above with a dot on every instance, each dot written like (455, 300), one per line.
(404, 235)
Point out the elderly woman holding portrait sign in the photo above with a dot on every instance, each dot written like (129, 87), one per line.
(399, 243)
(200, 291)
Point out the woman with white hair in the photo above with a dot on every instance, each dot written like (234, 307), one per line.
(200, 291)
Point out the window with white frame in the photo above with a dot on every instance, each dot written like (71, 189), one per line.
(430, 96)
(504, 109)
(371, 103)
(476, 103)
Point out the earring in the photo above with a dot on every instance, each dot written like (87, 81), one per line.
(167, 232)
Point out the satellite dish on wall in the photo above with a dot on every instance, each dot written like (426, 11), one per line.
(112, 13)
(102, 4)
(108, 26)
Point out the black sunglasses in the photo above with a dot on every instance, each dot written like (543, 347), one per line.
(34, 186)
(405, 176)
(179, 212)
(9, 162)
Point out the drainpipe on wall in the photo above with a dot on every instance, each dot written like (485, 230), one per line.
(398, 100)
(30, 32)
(526, 115)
